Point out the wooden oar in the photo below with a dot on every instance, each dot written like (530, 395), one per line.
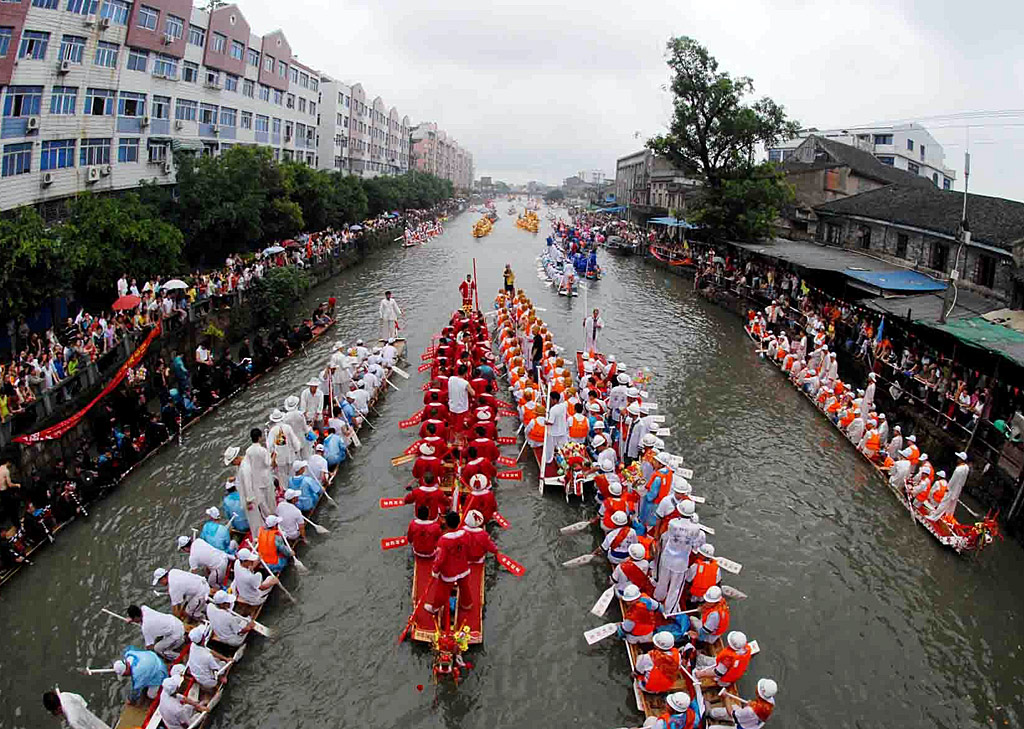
(729, 565)
(601, 606)
(403, 459)
(94, 671)
(279, 584)
(258, 628)
(582, 559)
(732, 593)
(578, 526)
(598, 634)
(319, 529)
(303, 569)
(330, 501)
(520, 455)
(392, 386)
(400, 372)
(419, 604)
(112, 614)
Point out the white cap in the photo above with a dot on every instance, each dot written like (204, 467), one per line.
(633, 409)
(678, 701)
(223, 598)
(183, 542)
(594, 407)
(318, 447)
(633, 392)
(686, 507)
(598, 425)
(213, 512)
(391, 340)
(298, 466)
(962, 455)
(229, 484)
(158, 574)
(648, 440)
(912, 438)
(631, 593)
(291, 403)
(607, 466)
(637, 551)
(120, 668)
(714, 594)
(924, 457)
(622, 378)
(230, 454)
(664, 640)
(941, 474)
(766, 688)
(615, 488)
(245, 555)
(620, 518)
(707, 549)
(479, 481)
(737, 640)
(276, 416)
(681, 486)
(598, 440)
(474, 518)
(872, 376)
(198, 633)
(272, 521)
(313, 382)
(171, 684)
(664, 459)
(290, 494)
(645, 408)
(896, 429)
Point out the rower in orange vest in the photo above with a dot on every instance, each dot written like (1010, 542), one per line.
(658, 670)
(579, 426)
(682, 712)
(751, 714)
(912, 453)
(535, 432)
(634, 571)
(731, 662)
(639, 616)
(615, 502)
(713, 621)
(704, 573)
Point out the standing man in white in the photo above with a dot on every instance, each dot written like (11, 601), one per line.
(592, 325)
(389, 312)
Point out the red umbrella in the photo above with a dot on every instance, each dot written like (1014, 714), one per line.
(126, 302)
(292, 244)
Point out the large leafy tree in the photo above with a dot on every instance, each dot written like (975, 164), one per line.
(32, 268)
(715, 133)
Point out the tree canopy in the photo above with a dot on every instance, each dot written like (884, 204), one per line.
(715, 133)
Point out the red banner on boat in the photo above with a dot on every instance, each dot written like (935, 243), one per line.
(413, 448)
(393, 542)
(391, 503)
(506, 460)
(423, 367)
(510, 564)
(507, 414)
(502, 403)
(510, 475)
(427, 356)
(411, 422)
(506, 440)
(56, 431)
(425, 386)
(502, 521)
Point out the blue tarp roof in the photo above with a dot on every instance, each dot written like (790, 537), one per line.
(616, 209)
(906, 282)
(672, 222)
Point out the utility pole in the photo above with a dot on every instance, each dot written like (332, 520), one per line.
(964, 234)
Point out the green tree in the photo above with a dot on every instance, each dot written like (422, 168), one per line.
(555, 195)
(274, 295)
(349, 203)
(715, 134)
(32, 268)
(106, 236)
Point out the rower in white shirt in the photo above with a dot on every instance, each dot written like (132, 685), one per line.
(249, 584)
(188, 592)
(162, 633)
(228, 628)
(204, 557)
(203, 665)
(293, 526)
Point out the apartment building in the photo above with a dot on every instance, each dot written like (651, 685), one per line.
(435, 152)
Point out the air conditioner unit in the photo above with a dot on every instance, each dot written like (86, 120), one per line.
(90, 19)
(168, 167)
(105, 170)
(215, 129)
(32, 124)
(63, 66)
(212, 84)
(179, 124)
(104, 23)
(168, 39)
(47, 178)
(144, 121)
(93, 174)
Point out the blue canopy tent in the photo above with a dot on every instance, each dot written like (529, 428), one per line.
(616, 209)
(896, 282)
(673, 223)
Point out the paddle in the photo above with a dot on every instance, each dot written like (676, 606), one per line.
(419, 604)
(392, 386)
(601, 606)
(578, 526)
(283, 588)
(257, 628)
(330, 501)
(509, 475)
(582, 559)
(595, 635)
(510, 564)
(403, 459)
(501, 520)
(391, 503)
(732, 593)
(112, 614)
(520, 455)
(94, 671)
(316, 527)
(394, 542)
(507, 460)
(400, 372)
(728, 565)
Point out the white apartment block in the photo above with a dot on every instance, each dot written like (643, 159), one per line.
(904, 146)
(96, 94)
(435, 152)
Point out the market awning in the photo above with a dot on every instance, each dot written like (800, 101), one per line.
(616, 209)
(672, 222)
(186, 145)
(931, 305)
(900, 281)
(981, 333)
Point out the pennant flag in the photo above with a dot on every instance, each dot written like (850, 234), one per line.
(503, 404)
(423, 367)
(391, 503)
(510, 564)
(411, 450)
(502, 521)
(507, 414)
(506, 460)
(510, 475)
(393, 542)
(412, 421)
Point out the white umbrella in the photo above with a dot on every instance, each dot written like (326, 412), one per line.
(272, 250)
(174, 284)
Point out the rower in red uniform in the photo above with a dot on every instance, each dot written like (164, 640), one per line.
(438, 411)
(429, 495)
(480, 542)
(434, 427)
(485, 419)
(485, 446)
(427, 461)
(451, 567)
(433, 393)
(481, 497)
(423, 533)
(477, 464)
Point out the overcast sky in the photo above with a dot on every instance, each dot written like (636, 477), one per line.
(539, 91)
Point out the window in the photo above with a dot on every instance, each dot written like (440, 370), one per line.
(46, 5)
(312, 109)
(262, 123)
(161, 108)
(293, 74)
(228, 117)
(887, 160)
(287, 131)
(246, 120)
(268, 63)
(58, 154)
(275, 126)
(116, 10)
(94, 152)
(106, 54)
(913, 167)
(72, 48)
(278, 97)
(165, 66)
(137, 59)
(921, 148)
(883, 139)
(63, 101)
(940, 256)
(253, 58)
(128, 149)
(99, 102)
(186, 110)
(314, 84)
(157, 151)
(212, 77)
(82, 7)
(910, 144)
(175, 28)
(5, 40)
(196, 36)
(33, 45)
(131, 104)
(207, 114)
(302, 105)
(148, 17)
(237, 50)
(264, 93)
(17, 159)
(775, 155)
(985, 271)
(947, 184)
(290, 101)
(248, 88)
(935, 179)
(190, 72)
(220, 42)
(230, 82)
(901, 245)
(23, 101)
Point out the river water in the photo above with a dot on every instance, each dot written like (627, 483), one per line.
(862, 618)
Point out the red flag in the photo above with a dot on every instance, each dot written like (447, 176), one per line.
(510, 475)
(394, 542)
(423, 367)
(412, 449)
(506, 460)
(503, 404)
(507, 414)
(391, 503)
(510, 564)
(506, 439)
(412, 421)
